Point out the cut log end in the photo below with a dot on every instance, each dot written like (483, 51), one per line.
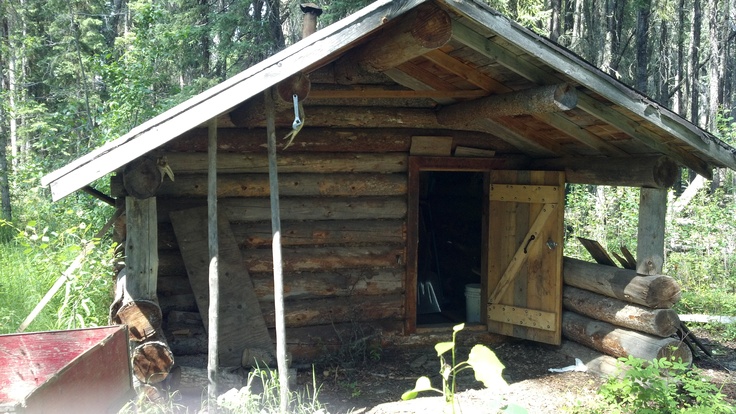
(152, 362)
(432, 28)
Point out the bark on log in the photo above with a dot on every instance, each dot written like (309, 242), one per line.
(302, 313)
(659, 322)
(655, 292)
(319, 140)
(425, 28)
(650, 171)
(551, 98)
(326, 259)
(619, 342)
(152, 360)
(230, 163)
(257, 185)
(297, 208)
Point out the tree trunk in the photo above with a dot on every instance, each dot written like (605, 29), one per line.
(657, 292)
(694, 67)
(619, 342)
(679, 103)
(659, 322)
(642, 49)
(715, 75)
(554, 21)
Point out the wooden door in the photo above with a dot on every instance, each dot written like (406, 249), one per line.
(524, 285)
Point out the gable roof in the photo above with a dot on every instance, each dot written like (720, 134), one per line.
(487, 54)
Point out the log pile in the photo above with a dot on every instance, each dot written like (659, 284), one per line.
(619, 313)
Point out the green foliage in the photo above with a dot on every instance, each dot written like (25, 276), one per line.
(484, 363)
(32, 262)
(247, 400)
(661, 386)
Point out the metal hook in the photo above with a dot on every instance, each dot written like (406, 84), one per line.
(297, 121)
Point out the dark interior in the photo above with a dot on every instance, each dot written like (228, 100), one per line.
(450, 235)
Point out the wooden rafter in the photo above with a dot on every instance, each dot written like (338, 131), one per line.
(466, 72)
(379, 93)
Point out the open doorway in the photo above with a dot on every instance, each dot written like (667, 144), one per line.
(449, 256)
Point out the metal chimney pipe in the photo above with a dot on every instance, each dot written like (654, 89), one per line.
(309, 24)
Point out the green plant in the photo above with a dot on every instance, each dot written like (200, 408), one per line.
(661, 386)
(247, 400)
(481, 360)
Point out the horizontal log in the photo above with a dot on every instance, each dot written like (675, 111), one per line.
(295, 208)
(309, 285)
(550, 98)
(290, 185)
(348, 117)
(326, 258)
(305, 233)
(649, 171)
(288, 163)
(657, 292)
(365, 282)
(335, 310)
(182, 302)
(305, 344)
(620, 342)
(329, 141)
(659, 322)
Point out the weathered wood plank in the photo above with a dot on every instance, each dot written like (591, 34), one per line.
(297, 208)
(241, 324)
(335, 310)
(257, 185)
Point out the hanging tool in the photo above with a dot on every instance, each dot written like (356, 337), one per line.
(298, 123)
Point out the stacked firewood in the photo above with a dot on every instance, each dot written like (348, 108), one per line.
(619, 313)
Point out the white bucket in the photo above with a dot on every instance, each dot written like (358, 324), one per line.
(472, 302)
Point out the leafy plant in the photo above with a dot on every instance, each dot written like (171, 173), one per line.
(481, 360)
(661, 386)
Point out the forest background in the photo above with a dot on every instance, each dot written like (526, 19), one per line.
(75, 74)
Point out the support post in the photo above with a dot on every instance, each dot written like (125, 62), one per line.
(214, 285)
(278, 277)
(650, 235)
(141, 247)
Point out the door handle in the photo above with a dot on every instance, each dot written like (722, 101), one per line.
(527, 243)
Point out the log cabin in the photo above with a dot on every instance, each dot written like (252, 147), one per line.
(421, 150)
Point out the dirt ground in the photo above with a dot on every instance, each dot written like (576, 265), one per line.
(377, 388)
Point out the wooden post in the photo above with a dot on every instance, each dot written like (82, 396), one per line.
(650, 235)
(278, 277)
(141, 247)
(214, 284)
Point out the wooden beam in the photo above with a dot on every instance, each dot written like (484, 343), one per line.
(425, 28)
(466, 72)
(213, 242)
(364, 92)
(644, 135)
(576, 131)
(654, 171)
(529, 146)
(650, 233)
(553, 98)
(141, 247)
(591, 77)
(414, 77)
(278, 274)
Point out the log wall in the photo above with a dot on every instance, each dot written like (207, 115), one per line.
(343, 230)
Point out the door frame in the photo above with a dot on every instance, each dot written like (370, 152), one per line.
(418, 164)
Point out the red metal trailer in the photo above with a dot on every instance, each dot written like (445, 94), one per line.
(80, 371)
